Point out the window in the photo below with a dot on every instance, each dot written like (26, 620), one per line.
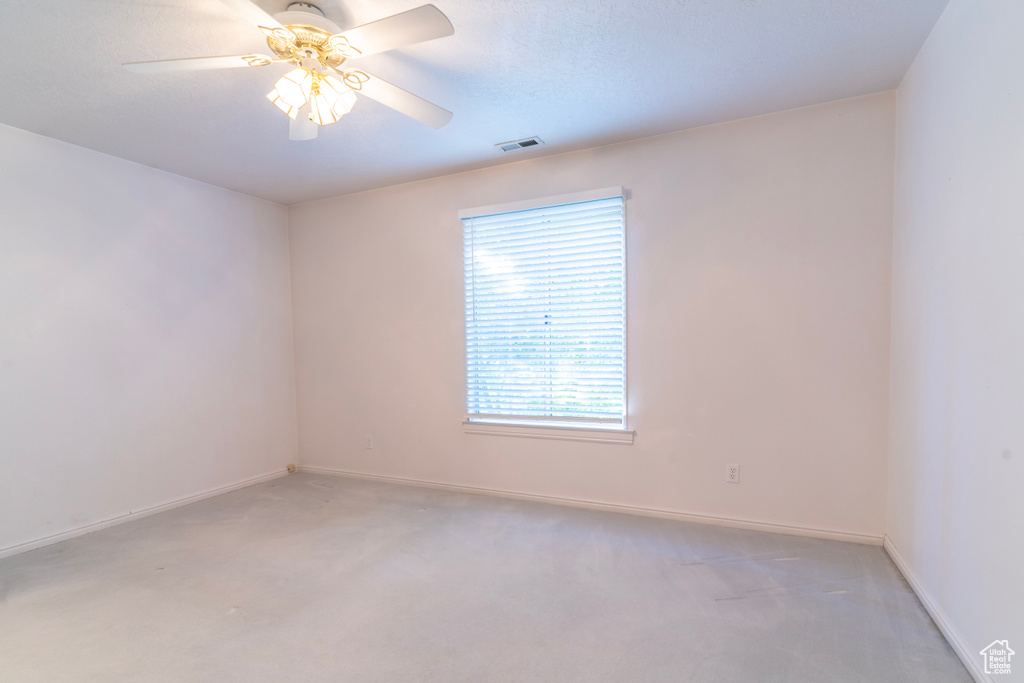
(545, 317)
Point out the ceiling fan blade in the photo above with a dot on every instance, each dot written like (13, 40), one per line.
(253, 13)
(197, 64)
(405, 102)
(407, 28)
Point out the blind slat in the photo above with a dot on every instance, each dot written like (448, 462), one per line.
(545, 312)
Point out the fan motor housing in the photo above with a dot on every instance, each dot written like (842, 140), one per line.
(304, 14)
(312, 32)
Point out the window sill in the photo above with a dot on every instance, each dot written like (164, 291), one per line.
(592, 434)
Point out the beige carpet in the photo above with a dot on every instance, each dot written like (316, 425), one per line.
(315, 578)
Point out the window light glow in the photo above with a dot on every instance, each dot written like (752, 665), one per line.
(545, 297)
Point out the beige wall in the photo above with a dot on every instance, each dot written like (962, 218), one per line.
(759, 272)
(956, 474)
(145, 338)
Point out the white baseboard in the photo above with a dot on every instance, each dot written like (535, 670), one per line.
(971, 661)
(788, 529)
(134, 514)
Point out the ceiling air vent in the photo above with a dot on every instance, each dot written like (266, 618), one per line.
(519, 144)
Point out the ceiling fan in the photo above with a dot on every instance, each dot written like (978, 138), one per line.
(320, 90)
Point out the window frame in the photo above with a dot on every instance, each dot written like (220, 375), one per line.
(580, 431)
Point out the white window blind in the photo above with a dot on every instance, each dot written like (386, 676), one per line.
(545, 313)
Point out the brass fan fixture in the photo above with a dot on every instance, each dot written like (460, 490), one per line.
(321, 89)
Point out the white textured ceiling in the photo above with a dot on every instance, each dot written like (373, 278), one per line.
(576, 73)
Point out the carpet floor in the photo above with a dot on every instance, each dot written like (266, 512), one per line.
(318, 578)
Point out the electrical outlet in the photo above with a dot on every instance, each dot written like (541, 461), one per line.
(732, 474)
(369, 441)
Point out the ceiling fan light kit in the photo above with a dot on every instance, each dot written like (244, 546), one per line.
(318, 92)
